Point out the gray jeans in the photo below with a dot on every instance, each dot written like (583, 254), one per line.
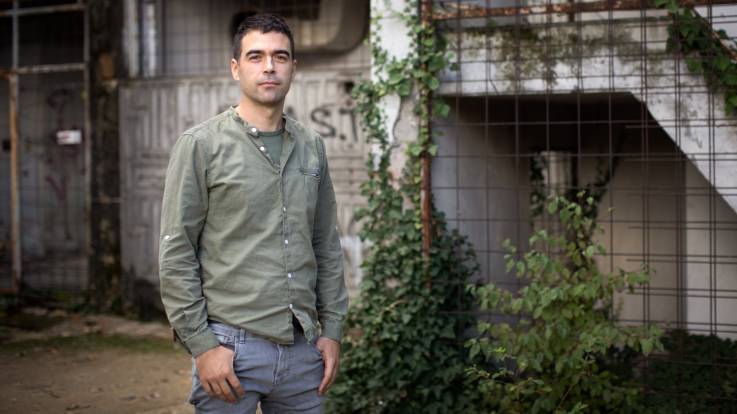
(284, 378)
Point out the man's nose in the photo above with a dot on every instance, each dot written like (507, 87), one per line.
(269, 64)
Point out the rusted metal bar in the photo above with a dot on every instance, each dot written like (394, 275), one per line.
(15, 234)
(27, 11)
(453, 10)
(89, 251)
(53, 68)
(426, 189)
(44, 69)
(15, 206)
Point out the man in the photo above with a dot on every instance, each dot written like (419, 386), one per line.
(250, 259)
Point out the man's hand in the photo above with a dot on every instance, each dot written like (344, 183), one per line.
(215, 368)
(330, 350)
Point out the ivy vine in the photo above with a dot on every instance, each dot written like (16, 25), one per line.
(704, 49)
(404, 350)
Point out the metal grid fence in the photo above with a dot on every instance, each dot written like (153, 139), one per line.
(44, 158)
(554, 97)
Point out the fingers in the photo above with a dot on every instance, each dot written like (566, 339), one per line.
(235, 384)
(226, 395)
(328, 376)
(215, 368)
(208, 389)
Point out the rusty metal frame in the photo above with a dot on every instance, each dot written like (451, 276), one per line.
(27, 11)
(15, 240)
(12, 74)
(455, 10)
(425, 10)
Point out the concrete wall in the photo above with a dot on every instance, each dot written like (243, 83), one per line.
(52, 183)
(53, 193)
(191, 37)
(481, 186)
(662, 206)
(711, 268)
(662, 213)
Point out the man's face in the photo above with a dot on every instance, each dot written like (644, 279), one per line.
(265, 68)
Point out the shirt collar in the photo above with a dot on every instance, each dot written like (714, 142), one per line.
(252, 130)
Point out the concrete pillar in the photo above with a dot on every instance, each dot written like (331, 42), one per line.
(394, 37)
(711, 271)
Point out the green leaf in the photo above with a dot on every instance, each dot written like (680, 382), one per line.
(733, 100)
(590, 250)
(436, 63)
(693, 64)
(441, 109)
(647, 346)
(395, 78)
(722, 62)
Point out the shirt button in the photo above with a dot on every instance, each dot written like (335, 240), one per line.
(262, 148)
(286, 241)
(284, 209)
(289, 275)
(254, 130)
(290, 306)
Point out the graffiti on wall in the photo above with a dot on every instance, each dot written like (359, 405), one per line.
(319, 100)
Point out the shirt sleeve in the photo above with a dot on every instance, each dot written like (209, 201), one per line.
(332, 297)
(183, 214)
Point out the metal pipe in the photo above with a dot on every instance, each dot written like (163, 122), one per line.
(27, 11)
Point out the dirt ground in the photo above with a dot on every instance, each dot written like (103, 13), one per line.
(90, 364)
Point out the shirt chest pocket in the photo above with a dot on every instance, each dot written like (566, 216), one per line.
(301, 188)
(311, 179)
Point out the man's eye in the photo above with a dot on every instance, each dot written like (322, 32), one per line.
(254, 58)
(280, 58)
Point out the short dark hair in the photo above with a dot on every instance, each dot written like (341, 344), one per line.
(264, 23)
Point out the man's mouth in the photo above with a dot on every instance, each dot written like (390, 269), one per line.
(269, 83)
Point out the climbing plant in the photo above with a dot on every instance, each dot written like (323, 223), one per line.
(703, 48)
(550, 359)
(403, 350)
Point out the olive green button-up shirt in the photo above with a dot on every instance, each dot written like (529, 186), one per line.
(247, 240)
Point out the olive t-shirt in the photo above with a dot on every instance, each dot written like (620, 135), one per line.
(273, 143)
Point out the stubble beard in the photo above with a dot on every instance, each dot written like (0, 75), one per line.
(271, 98)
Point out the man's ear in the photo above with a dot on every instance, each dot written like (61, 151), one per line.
(294, 70)
(234, 69)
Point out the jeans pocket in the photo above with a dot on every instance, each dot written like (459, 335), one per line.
(314, 349)
(225, 337)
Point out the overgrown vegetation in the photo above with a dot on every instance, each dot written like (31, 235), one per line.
(548, 361)
(697, 374)
(403, 352)
(703, 49)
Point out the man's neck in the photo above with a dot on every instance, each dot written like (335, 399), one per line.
(264, 118)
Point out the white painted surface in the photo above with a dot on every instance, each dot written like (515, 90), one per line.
(677, 99)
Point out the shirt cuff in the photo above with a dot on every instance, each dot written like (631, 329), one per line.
(201, 342)
(331, 329)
